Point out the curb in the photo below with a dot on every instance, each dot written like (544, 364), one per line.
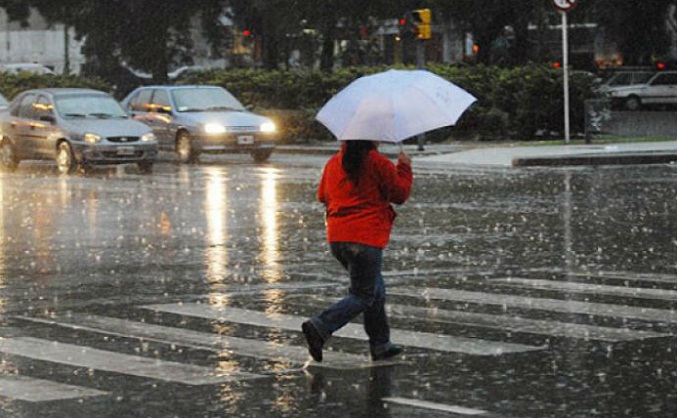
(646, 157)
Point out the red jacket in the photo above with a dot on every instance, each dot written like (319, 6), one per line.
(363, 214)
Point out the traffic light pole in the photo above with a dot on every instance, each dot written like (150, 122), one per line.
(420, 63)
(423, 19)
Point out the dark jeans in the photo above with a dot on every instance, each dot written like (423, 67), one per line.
(366, 296)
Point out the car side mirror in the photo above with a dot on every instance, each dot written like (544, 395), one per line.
(48, 118)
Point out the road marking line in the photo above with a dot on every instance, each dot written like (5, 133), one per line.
(207, 341)
(109, 361)
(524, 325)
(516, 323)
(439, 342)
(630, 276)
(552, 305)
(37, 390)
(454, 409)
(587, 288)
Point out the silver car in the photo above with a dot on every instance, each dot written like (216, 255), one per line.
(191, 120)
(659, 89)
(79, 128)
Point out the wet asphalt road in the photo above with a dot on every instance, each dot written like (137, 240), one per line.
(543, 292)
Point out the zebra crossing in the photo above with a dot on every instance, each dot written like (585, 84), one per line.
(407, 303)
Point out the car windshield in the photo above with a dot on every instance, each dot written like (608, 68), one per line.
(205, 100)
(89, 106)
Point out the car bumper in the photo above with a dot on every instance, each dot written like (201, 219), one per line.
(233, 143)
(116, 154)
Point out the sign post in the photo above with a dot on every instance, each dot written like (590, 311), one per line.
(565, 6)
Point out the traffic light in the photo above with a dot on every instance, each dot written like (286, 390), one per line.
(422, 20)
(408, 26)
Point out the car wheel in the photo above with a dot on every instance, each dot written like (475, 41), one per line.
(633, 103)
(8, 158)
(145, 167)
(184, 148)
(65, 159)
(261, 155)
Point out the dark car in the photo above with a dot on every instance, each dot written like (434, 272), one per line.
(78, 128)
(191, 120)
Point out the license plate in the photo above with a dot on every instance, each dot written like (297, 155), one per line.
(245, 140)
(125, 150)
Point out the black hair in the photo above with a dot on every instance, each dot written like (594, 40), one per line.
(353, 158)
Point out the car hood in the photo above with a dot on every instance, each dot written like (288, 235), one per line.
(224, 118)
(106, 127)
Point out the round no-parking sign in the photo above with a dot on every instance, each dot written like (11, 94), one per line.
(564, 5)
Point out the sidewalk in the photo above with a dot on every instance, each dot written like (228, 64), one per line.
(523, 156)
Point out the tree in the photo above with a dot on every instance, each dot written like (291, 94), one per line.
(638, 26)
(349, 20)
(273, 23)
(147, 35)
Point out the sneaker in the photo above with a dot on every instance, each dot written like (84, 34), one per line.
(314, 339)
(393, 350)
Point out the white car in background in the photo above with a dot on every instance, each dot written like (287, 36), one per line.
(659, 89)
(626, 78)
(26, 67)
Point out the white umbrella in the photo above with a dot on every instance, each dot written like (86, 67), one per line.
(394, 105)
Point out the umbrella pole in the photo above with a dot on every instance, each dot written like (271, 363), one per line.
(401, 146)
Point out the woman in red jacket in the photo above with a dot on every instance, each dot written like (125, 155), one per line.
(358, 187)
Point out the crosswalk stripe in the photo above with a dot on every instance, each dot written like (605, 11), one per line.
(524, 325)
(588, 288)
(109, 361)
(37, 390)
(207, 341)
(437, 342)
(515, 323)
(630, 276)
(553, 305)
(454, 409)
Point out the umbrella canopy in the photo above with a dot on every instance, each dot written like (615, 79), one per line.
(394, 105)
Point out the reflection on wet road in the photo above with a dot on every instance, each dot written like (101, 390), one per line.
(517, 293)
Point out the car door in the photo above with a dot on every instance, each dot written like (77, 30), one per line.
(43, 128)
(160, 118)
(19, 126)
(663, 89)
(139, 105)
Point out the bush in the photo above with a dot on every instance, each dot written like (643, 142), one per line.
(512, 103)
(516, 103)
(13, 84)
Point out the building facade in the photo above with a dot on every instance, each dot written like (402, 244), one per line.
(53, 46)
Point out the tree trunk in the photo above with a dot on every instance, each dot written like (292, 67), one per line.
(327, 54)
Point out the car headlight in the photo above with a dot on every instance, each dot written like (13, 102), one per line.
(214, 129)
(267, 127)
(149, 137)
(91, 138)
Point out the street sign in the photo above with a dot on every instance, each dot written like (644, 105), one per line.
(564, 5)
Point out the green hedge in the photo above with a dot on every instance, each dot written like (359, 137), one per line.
(12, 84)
(520, 103)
